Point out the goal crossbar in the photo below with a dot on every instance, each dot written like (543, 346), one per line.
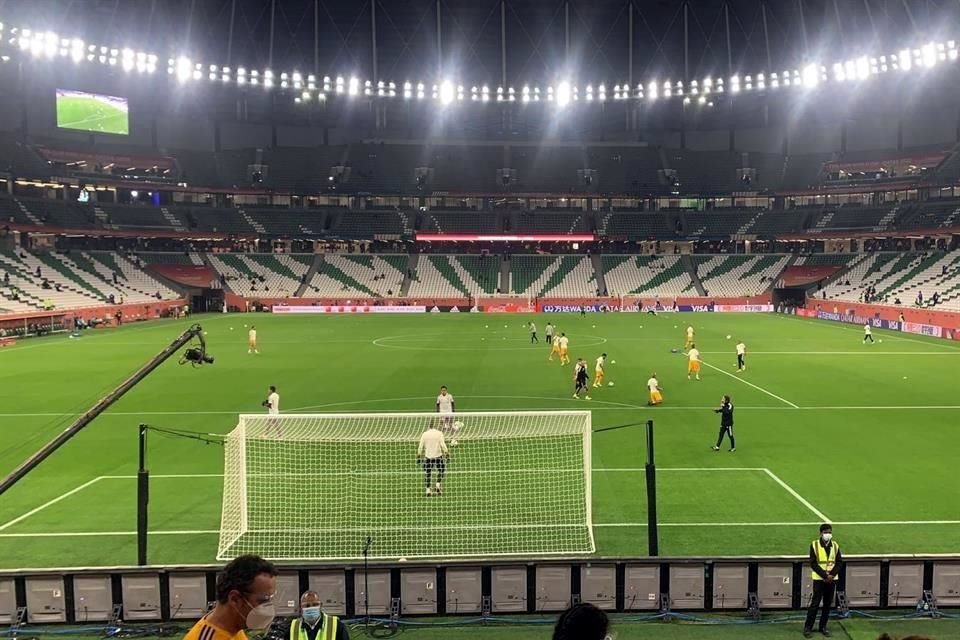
(316, 486)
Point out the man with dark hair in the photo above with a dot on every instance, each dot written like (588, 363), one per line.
(244, 591)
(582, 621)
(825, 565)
(726, 423)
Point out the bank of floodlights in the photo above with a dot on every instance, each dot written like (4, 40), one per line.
(47, 45)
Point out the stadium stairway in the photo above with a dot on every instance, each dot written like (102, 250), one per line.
(739, 275)
(553, 276)
(70, 272)
(692, 266)
(381, 274)
(597, 263)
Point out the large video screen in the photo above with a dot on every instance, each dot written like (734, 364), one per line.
(92, 112)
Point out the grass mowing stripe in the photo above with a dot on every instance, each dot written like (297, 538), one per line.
(750, 384)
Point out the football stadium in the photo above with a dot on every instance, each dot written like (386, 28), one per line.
(513, 319)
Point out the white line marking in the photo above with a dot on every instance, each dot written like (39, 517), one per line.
(50, 503)
(838, 353)
(869, 523)
(750, 384)
(889, 333)
(796, 495)
(615, 469)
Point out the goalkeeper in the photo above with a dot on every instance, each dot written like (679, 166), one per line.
(432, 454)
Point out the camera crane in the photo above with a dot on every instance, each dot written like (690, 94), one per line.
(196, 355)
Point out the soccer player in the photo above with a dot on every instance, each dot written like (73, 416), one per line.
(432, 453)
(741, 352)
(726, 423)
(654, 386)
(581, 379)
(598, 372)
(689, 342)
(533, 333)
(555, 349)
(446, 409)
(245, 590)
(867, 334)
(272, 403)
(548, 331)
(693, 368)
(564, 349)
(252, 340)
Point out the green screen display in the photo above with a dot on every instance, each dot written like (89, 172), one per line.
(92, 112)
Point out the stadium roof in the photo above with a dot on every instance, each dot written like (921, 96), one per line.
(543, 40)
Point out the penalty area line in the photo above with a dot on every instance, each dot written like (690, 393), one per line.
(750, 384)
(50, 503)
(796, 495)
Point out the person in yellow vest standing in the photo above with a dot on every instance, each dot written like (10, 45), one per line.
(314, 623)
(825, 568)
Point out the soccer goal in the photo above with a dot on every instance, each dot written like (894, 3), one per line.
(316, 487)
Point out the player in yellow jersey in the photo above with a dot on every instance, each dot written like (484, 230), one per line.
(554, 344)
(693, 368)
(244, 591)
(252, 340)
(564, 349)
(598, 371)
(654, 386)
(689, 342)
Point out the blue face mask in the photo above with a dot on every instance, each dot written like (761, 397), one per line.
(311, 615)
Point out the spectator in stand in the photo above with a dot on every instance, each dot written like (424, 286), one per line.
(582, 621)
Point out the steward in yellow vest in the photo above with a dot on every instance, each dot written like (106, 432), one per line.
(824, 569)
(314, 623)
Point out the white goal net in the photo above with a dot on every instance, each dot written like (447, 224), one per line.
(316, 487)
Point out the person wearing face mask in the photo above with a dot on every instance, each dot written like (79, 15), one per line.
(245, 590)
(314, 623)
(825, 564)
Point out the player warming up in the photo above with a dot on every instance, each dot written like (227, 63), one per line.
(654, 386)
(689, 343)
(533, 333)
(252, 340)
(548, 332)
(867, 334)
(432, 455)
(580, 379)
(726, 423)
(693, 367)
(598, 371)
(564, 349)
(446, 409)
(741, 352)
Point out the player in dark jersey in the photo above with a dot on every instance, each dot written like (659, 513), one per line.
(581, 379)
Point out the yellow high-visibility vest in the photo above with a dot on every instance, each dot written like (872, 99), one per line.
(328, 628)
(827, 558)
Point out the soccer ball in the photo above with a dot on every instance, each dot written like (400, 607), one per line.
(457, 425)
(728, 337)
(609, 384)
(594, 326)
(881, 339)
(613, 362)
(504, 326)
(486, 326)
(231, 328)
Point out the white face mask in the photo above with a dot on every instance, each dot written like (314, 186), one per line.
(827, 537)
(260, 617)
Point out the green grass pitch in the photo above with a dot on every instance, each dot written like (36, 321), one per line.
(90, 114)
(865, 435)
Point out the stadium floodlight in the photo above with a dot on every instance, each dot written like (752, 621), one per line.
(929, 55)
(811, 75)
(305, 95)
(839, 75)
(545, 453)
(183, 68)
(904, 60)
(686, 100)
(353, 87)
(652, 91)
(862, 65)
(701, 100)
(76, 50)
(127, 60)
(563, 93)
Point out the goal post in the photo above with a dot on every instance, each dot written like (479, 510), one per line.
(316, 486)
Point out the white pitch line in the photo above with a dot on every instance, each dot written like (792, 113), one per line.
(50, 503)
(840, 353)
(196, 532)
(796, 495)
(750, 384)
